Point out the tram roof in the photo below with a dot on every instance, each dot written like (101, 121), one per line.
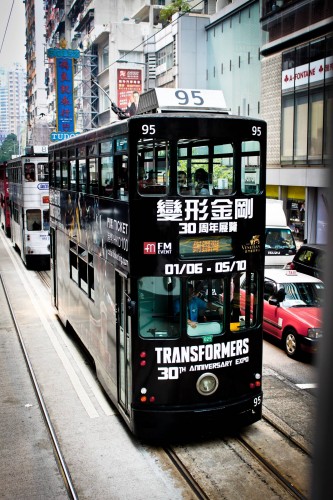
(161, 100)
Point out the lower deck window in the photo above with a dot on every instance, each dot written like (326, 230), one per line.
(157, 296)
(81, 268)
(34, 220)
(201, 308)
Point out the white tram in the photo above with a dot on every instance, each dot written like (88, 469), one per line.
(28, 179)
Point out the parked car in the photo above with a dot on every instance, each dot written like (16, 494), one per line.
(309, 259)
(293, 309)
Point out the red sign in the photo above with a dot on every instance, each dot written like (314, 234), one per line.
(149, 248)
(129, 81)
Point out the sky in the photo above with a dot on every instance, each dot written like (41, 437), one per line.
(12, 33)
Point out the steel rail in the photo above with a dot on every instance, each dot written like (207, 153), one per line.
(59, 456)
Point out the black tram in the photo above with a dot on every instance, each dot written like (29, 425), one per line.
(4, 200)
(157, 255)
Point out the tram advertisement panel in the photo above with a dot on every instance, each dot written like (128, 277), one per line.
(185, 241)
(103, 228)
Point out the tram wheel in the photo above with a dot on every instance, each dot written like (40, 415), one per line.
(291, 343)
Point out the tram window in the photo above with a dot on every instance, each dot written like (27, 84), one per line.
(93, 176)
(223, 169)
(157, 296)
(83, 176)
(106, 147)
(69, 213)
(91, 279)
(121, 167)
(43, 172)
(83, 269)
(121, 144)
(153, 166)
(205, 168)
(92, 150)
(34, 221)
(204, 307)
(73, 266)
(57, 174)
(52, 178)
(64, 174)
(46, 220)
(248, 289)
(250, 172)
(107, 180)
(29, 172)
(72, 175)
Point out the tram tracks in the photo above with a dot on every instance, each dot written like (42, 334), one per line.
(257, 462)
(45, 278)
(268, 452)
(64, 471)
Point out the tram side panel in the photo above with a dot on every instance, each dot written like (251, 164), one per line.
(86, 294)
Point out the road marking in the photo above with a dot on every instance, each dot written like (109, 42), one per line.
(307, 386)
(79, 389)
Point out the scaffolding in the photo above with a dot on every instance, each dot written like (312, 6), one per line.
(86, 90)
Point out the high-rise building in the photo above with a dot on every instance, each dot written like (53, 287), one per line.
(38, 127)
(12, 102)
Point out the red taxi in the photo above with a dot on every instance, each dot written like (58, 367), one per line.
(293, 304)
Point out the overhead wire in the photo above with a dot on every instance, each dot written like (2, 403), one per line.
(181, 14)
(4, 35)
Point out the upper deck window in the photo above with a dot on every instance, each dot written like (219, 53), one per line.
(107, 176)
(43, 172)
(205, 167)
(29, 172)
(251, 168)
(153, 166)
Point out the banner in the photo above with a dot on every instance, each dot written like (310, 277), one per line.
(64, 93)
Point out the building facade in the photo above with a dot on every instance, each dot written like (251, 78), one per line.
(12, 102)
(297, 78)
(36, 97)
(272, 59)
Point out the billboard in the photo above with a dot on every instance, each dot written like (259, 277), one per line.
(128, 81)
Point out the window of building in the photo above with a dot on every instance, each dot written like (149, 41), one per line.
(105, 57)
(306, 102)
(165, 57)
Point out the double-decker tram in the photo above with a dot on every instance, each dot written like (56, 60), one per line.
(156, 222)
(28, 180)
(4, 200)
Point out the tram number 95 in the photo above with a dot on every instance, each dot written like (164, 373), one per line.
(256, 131)
(257, 401)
